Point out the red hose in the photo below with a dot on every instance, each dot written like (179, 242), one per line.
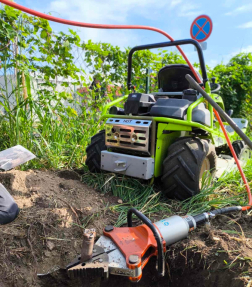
(237, 162)
(105, 26)
(99, 26)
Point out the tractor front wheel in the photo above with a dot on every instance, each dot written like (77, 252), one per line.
(189, 162)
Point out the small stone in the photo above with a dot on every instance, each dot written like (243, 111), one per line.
(88, 208)
(120, 201)
(50, 245)
(34, 189)
(47, 253)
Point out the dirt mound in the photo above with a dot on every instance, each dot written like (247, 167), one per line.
(56, 206)
(47, 232)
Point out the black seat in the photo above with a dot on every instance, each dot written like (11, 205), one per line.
(171, 78)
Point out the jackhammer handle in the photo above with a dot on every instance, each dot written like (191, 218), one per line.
(197, 87)
(146, 220)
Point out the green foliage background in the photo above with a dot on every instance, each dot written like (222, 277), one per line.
(44, 120)
(236, 82)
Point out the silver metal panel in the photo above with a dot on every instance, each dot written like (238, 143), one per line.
(203, 46)
(173, 229)
(117, 262)
(134, 166)
(241, 123)
(128, 134)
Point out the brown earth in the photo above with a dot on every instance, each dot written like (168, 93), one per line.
(47, 236)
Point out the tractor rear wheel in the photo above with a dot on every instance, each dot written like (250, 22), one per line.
(189, 161)
(94, 150)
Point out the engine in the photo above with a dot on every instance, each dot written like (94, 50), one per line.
(128, 134)
(128, 140)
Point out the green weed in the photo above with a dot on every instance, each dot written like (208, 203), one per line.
(227, 191)
(132, 192)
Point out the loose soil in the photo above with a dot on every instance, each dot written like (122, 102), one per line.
(47, 236)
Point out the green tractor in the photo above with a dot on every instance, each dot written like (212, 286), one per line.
(170, 135)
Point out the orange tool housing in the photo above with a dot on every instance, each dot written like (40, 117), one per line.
(138, 241)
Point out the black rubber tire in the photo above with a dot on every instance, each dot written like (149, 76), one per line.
(182, 167)
(93, 161)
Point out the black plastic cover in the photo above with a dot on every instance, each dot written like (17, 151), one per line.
(190, 95)
(190, 92)
(171, 78)
(170, 108)
(138, 103)
(116, 111)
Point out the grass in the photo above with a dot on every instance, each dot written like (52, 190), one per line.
(132, 192)
(49, 128)
(227, 191)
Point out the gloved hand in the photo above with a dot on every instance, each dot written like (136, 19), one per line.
(8, 207)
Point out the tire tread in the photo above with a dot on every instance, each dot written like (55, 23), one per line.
(94, 150)
(181, 167)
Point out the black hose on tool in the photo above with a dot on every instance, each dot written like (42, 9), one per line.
(225, 210)
(204, 217)
(146, 220)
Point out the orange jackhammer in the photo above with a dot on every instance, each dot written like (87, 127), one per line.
(125, 251)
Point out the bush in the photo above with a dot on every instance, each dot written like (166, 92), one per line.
(47, 104)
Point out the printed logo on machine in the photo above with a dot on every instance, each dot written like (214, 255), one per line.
(166, 223)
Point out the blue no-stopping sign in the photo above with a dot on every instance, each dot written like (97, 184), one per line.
(201, 28)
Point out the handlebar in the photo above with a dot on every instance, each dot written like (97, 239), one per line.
(156, 234)
(217, 89)
(167, 44)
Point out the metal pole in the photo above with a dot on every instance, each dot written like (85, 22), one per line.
(147, 82)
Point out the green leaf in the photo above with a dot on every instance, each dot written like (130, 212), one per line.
(71, 112)
(43, 34)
